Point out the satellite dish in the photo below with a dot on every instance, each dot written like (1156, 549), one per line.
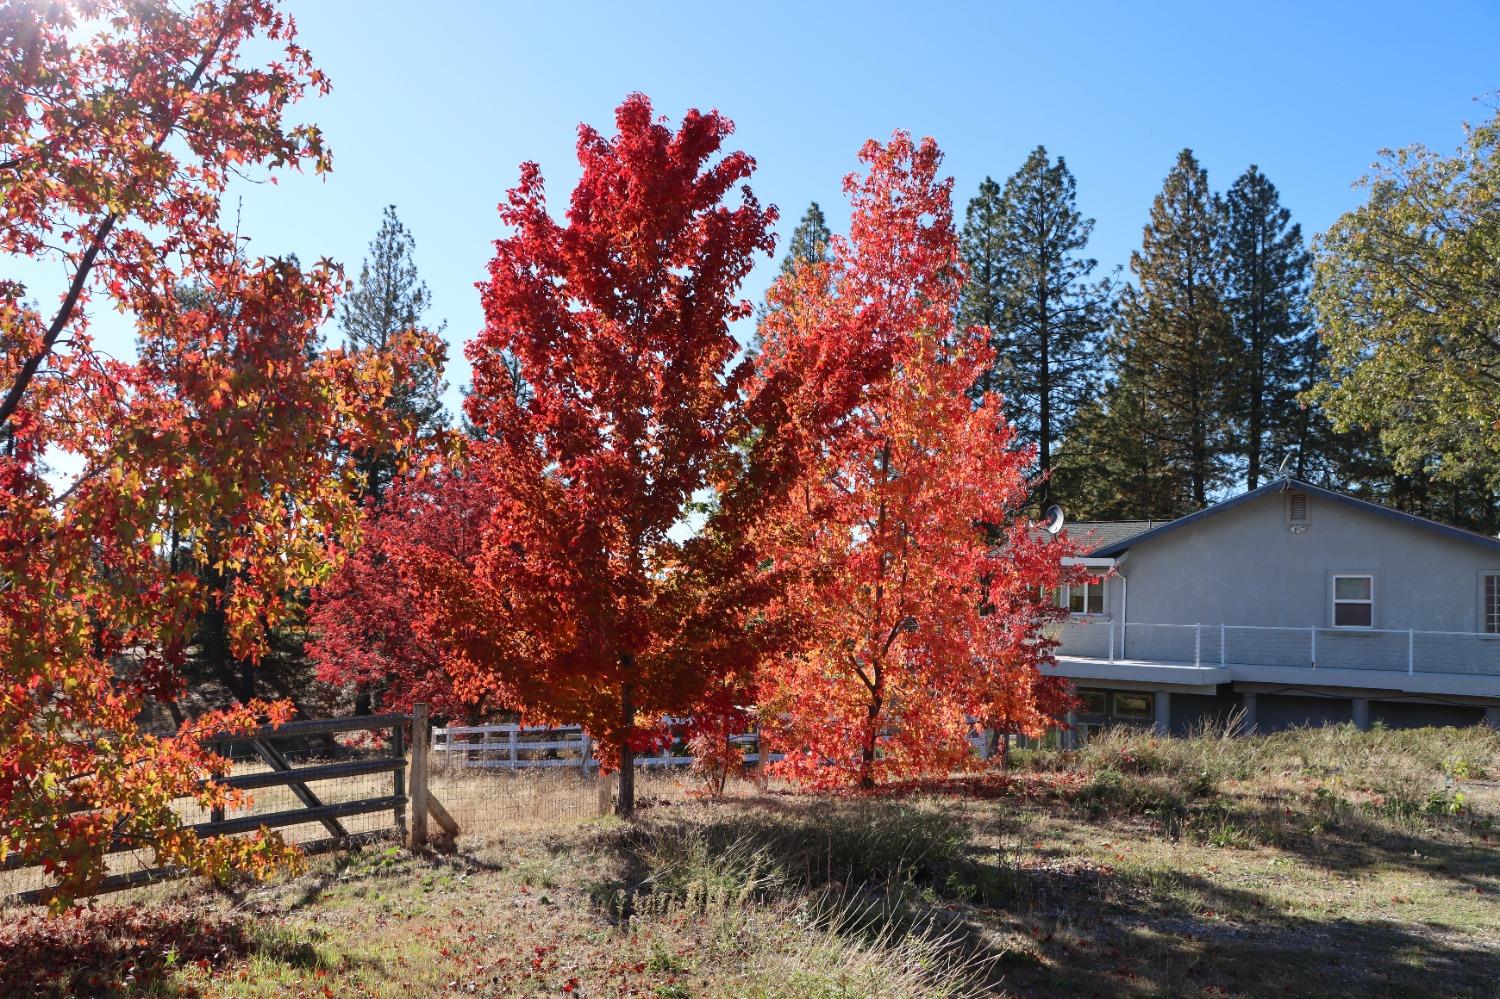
(1281, 472)
(1052, 520)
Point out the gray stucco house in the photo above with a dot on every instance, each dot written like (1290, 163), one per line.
(1293, 603)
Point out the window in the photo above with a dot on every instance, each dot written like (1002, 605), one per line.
(1489, 603)
(1083, 598)
(1093, 702)
(1133, 705)
(1353, 601)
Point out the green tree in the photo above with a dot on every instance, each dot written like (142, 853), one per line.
(1030, 286)
(981, 244)
(809, 240)
(389, 299)
(1174, 334)
(808, 244)
(1266, 283)
(1407, 293)
(1113, 465)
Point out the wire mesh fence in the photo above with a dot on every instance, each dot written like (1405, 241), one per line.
(339, 785)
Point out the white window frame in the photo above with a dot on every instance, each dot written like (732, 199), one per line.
(1484, 623)
(1065, 598)
(1334, 601)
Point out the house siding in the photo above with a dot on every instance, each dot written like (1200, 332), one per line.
(1233, 610)
(1244, 566)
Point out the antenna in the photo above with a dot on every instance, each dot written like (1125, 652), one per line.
(1281, 472)
(1052, 520)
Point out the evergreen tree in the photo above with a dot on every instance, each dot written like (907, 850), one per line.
(808, 244)
(1113, 466)
(809, 240)
(1030, 285)
(982, 246)
(1174, 337)
(1267, 276)
(389, 299)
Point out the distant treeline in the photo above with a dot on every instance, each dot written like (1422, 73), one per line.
(1231, 349)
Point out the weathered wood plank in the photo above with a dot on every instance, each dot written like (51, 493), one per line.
(440, 815)
(315, 726)
(304, 793)
(417, 787)
(275, 820)
(136, 879)
(328, 771)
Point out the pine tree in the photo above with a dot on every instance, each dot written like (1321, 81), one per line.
(809, 240)
(1029, 284)
(389, 299)
(1114, 466)
(808, 244)
(1267, 275)
(1174, 335)
(981, 244)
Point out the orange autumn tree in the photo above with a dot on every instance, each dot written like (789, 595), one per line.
(118, 135)
(599, 597)
(910, 617)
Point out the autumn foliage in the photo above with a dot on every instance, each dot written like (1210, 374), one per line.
(117, 139)
(366, 627)
(915, 581)
(584, 606)
(647, 522)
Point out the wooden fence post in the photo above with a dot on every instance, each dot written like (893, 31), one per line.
(417, 779)
(606, 797)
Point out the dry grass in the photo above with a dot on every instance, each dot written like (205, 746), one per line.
(1327, 861)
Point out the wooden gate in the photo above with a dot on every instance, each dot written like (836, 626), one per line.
(283, 773)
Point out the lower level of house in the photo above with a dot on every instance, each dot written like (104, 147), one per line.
(1179, 709)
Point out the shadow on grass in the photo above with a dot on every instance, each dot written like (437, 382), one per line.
(1194, 936)
(1322, 828)
(113, 951)
(1046, 921)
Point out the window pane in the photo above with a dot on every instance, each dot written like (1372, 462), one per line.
(1351, 587)
(1075, 600)
(1096, 600)
(1492, 604)
(1133, 705)
(1093, 702)
(1351, 615)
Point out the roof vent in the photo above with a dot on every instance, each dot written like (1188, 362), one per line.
(1296, 512)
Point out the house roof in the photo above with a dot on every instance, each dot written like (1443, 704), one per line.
(1091, 535)
(1113, 549)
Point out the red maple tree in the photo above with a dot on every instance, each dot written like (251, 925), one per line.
(599, 596)
(366, 630)
(118, 134)
(917, 585)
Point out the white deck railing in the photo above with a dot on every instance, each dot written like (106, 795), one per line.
(1409, 650)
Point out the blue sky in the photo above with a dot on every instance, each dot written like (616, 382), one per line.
(435, 105)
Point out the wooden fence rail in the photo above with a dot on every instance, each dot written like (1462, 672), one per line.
(419, 803)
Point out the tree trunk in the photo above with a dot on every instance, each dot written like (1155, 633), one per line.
(625, 803)
(867, 755)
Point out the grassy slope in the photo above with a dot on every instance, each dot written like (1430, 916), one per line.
(1320, 862)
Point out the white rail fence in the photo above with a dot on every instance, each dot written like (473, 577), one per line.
(1397, 650)
(533, 747)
